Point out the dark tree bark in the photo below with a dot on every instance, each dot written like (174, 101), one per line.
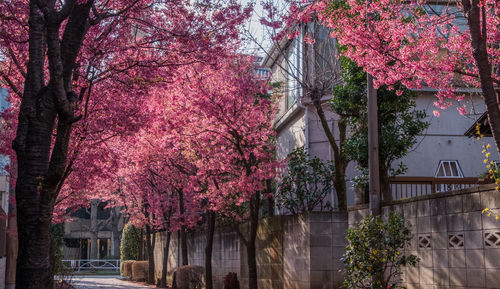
(116, 230)
(163, 281)
(184, 250)
(250, 241)
(478, 32)
(150, 245)
(94, 231)
(251, 252)
(270, 203)
(209, 248)
(40, 166)
(385, 181)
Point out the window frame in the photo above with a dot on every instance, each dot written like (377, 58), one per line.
(449, 162)
(294, 70)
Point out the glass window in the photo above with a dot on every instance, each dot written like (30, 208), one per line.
(449, 169)
(294, 69)
(452, 10)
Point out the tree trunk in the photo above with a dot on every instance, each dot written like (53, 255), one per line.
(41, 165)
(32, 145)
(251, 252)
(163, 281)
(94, 230)
(340, 160)
(270, 199)
(480, 52)
(184, 250)
(385, 182)
(209, 248)
(115, 230)
(150, 244)
(117, 241)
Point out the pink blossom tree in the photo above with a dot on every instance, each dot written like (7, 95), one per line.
(231, 131)
(77, 72)
(205, 148)
(444, 47)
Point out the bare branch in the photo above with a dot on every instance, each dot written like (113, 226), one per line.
(12, 85)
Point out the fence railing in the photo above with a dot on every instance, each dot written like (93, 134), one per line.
(409, 187)
(92, 265)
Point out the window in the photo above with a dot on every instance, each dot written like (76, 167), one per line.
(294, 69)
(449, 169)
(262, 73)
(457, 13)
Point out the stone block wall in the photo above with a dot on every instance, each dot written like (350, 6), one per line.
(293, 252)
(327, 245)
(459, 246)
(225, 255)
(296, 261)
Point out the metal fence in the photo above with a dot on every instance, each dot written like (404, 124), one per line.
(409, 187)
(92, 265)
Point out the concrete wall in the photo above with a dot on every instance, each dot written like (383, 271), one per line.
(293, 252)
(459, 247)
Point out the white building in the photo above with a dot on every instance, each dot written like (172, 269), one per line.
(442, 151)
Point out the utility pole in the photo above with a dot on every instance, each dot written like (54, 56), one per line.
(373, 157)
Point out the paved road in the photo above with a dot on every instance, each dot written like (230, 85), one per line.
(104, 282)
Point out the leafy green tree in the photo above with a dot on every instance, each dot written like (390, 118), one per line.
(129, 248)
(399, 122)
(57, 244)
(305, 183)
(374, 256)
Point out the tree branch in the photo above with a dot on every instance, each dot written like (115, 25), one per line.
(12, 85)
(65, 10)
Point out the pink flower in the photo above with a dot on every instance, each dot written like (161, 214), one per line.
(308, 39)
(293, 34)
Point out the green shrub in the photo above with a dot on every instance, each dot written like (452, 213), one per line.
(57, 243)
(305, 184)
(129, 248)
(374, 253)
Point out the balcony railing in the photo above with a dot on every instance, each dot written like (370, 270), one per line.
(410, 187)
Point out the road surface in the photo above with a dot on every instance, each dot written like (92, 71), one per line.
(104, 282)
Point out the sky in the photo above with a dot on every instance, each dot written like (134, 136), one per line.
(256, 30)
(3, 104)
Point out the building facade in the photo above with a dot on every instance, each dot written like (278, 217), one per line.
(442, 151)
